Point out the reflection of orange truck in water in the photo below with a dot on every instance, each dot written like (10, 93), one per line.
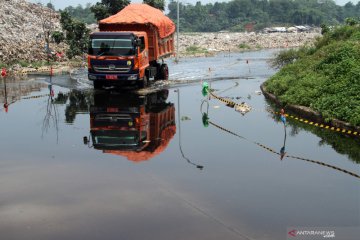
(136, 127)
(129, 46)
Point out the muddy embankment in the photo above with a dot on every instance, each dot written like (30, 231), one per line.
(310, 114)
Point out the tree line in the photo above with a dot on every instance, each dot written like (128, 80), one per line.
(105, 8)
(233, 15)
(236, 14)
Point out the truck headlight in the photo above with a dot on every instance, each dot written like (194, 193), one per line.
(91, 77)
(132, 77)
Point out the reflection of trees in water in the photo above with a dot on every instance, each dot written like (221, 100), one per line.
(294, 130)
(76, 102)
(341, 143)
(51, 117)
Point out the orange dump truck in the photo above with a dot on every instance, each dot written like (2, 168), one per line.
(129, 47)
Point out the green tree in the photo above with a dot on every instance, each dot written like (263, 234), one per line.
(106, 8)
(58, 37)
(115, 5)
(65, 20)
(172, 6)
(51, 6)
(324, 29)
(76, 34)
(351, 21)
(100, 11)
(240, 8)
(159, 4)
(82, 13)
(332, 12)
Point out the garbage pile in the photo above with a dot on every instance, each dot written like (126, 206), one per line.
(23, 28)
(235, 41)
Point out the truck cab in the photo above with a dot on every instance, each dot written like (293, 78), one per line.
(118, 57)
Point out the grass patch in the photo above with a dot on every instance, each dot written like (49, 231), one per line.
(194, 49)
(27, 64)
(3, 65)
(243, 46)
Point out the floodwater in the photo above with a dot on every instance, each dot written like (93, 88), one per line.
(169, 162)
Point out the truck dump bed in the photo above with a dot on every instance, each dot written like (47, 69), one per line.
(142, 17)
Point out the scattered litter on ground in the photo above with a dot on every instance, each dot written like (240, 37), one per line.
(185, 118)
(242, 108)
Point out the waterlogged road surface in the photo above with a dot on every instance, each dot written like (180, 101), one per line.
(82, 164)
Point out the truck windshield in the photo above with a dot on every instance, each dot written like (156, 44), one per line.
(118, 138)
(111, 46)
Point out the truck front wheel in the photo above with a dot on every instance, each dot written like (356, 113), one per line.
(97, 84)
(144, 83)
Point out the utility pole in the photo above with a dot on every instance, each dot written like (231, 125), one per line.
(177, 34)
(47, 25)
(48, 35)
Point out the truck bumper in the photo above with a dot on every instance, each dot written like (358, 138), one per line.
(113, 77)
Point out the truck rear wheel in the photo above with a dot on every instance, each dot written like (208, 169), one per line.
(158, 73)
(164, 71)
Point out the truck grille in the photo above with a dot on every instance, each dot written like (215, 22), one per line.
(112, 69)
(113, 117)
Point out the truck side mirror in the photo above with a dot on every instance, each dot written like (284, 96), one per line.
(85, 140)
(138, 42)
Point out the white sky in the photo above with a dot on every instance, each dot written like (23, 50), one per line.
(61, 4)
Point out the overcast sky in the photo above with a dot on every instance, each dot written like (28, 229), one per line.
(61, 4)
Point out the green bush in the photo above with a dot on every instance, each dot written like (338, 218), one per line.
(77, 35)
(58, 37)
(243, 46)
(193, 49)
(3, 65)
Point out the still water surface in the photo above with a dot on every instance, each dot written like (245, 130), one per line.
(172, 164)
